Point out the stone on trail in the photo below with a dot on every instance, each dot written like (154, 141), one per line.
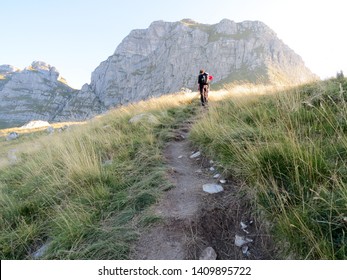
(212, 188)
(245, 250)
(243, 225)
(195, 155)
(208, 254)
(241, 240)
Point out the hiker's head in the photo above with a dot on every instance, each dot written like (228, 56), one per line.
(202, 71)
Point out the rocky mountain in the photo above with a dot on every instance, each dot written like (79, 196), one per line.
(150, 62)
(168, 55)
(39, 92)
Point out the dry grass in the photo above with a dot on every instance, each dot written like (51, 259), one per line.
(289, 146)
(78, 191)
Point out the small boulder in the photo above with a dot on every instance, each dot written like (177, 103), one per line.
(50, 130)
(186, 90)
(41, 251)
(241, 240)
(195, 155)
(245, 250)
(212, 188)
(208, 254)
(12, 136)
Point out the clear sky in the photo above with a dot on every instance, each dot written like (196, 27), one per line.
(75, 36)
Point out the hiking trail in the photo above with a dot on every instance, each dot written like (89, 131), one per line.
(194, 220)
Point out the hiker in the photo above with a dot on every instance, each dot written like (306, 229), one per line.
(203, 87)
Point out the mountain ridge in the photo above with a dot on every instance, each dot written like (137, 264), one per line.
(160, 59)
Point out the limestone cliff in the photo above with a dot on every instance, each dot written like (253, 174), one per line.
(150, 62)
(37, 92)
(168, 55)
(40, 93)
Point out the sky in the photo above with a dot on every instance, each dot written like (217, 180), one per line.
(75, 36)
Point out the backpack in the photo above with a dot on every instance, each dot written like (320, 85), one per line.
(203, 79)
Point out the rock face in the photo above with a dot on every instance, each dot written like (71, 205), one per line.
(167, 56)
(37, 92)
(40, 93)
(163, 58)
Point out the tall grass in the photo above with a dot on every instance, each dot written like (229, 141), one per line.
(291, 148)
(82, 193)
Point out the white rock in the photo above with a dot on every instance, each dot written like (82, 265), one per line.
(245, 249)
(241, 240)
(212, 169)
(222, 181)
(208, 254)
(41, 251)
(216, 176)
(186, 90)
(12, 136)
(35, 124)
(243, 225)
(50, 129)
(195, 155)
(212, 188)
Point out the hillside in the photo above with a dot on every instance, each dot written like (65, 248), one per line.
(37, 92)
(168, 56)
(162, 59)
(282, 151)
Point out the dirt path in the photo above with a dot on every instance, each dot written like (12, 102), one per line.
(192, 219)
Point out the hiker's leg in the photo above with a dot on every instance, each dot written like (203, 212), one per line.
(202, 95)
(206, 93)
(202, 98)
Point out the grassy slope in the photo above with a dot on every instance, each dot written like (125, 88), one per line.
(83, 192)
(291, 148)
